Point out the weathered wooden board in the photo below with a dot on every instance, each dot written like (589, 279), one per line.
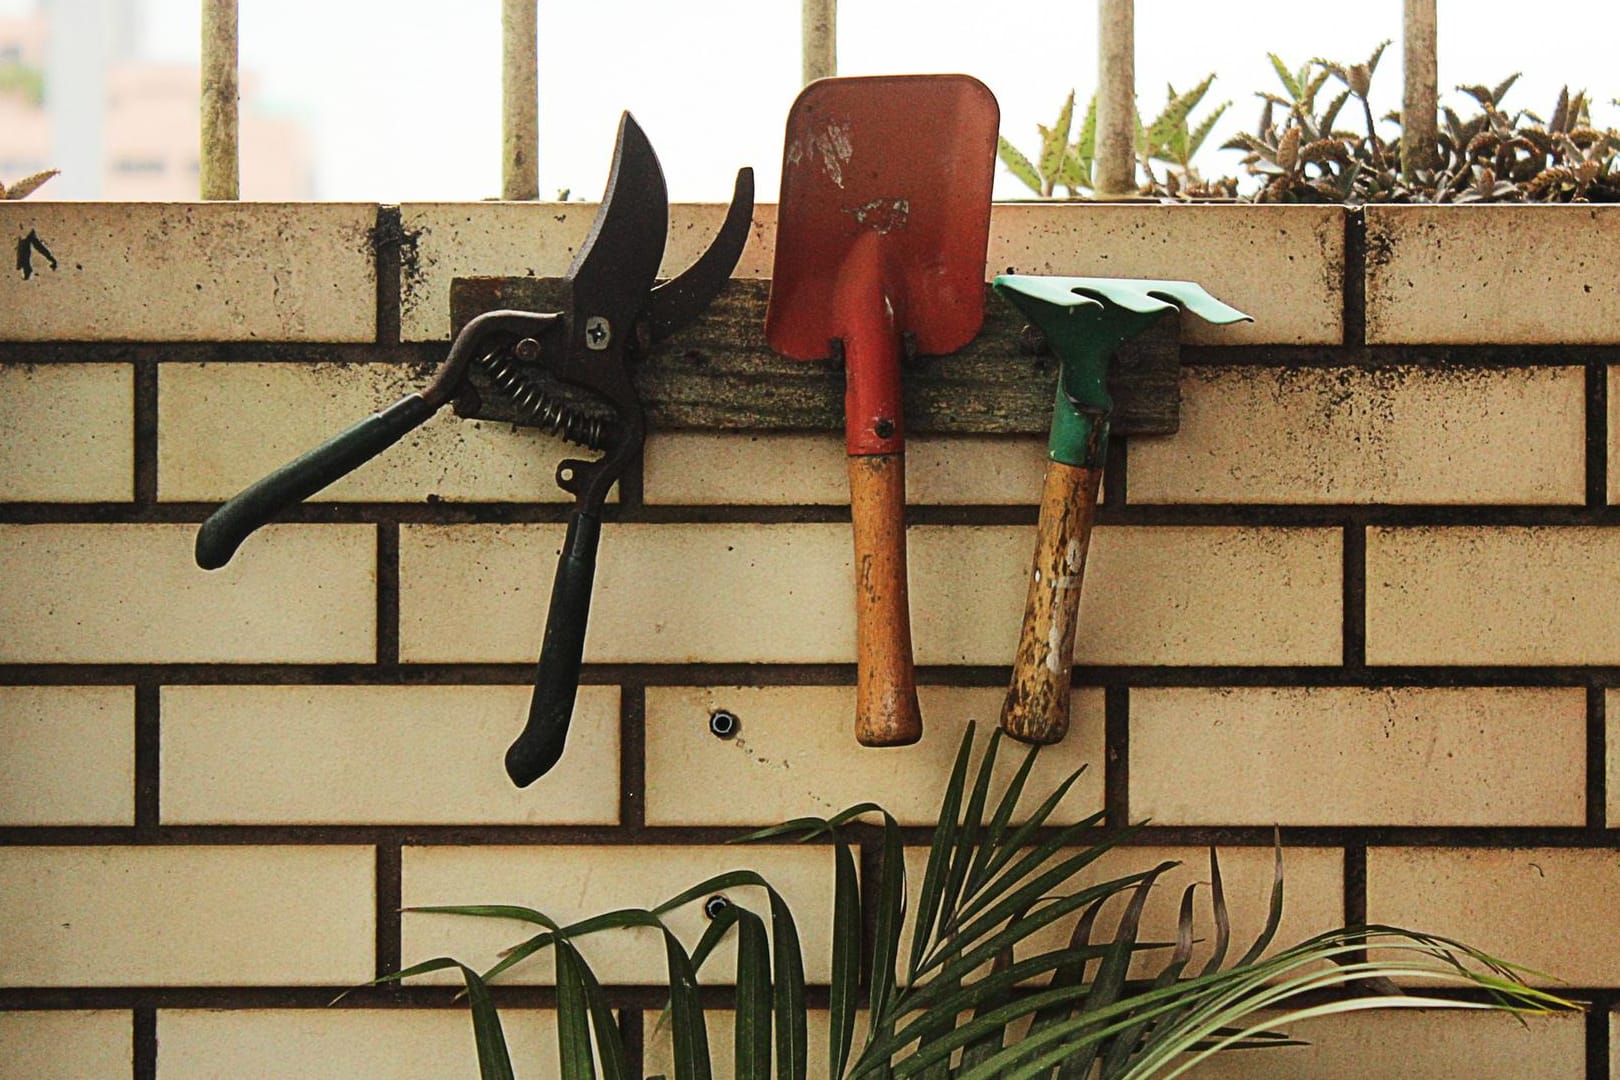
(720, 374)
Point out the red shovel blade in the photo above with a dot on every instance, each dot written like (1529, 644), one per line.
(887, 178)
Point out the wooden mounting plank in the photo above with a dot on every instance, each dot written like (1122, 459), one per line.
(719, 373)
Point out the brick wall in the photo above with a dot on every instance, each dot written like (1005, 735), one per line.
(1367, 593)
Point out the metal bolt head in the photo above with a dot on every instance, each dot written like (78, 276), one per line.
(714, 905)
(527, 350)
(723, 724)
(598, 333)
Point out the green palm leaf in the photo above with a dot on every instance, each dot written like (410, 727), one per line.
(991, 891)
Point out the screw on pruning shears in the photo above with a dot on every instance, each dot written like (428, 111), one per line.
(614, 309)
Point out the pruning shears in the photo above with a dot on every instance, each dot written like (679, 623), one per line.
(561, 368)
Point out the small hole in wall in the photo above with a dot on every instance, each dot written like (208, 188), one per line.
(723, 724)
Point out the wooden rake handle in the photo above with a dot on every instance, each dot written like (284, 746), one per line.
(1037, 705)
(886, 712)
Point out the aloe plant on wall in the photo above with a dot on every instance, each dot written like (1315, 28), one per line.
(950, 986)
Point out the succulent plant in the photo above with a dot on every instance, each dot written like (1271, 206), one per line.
(27, 185)
(1299, 153)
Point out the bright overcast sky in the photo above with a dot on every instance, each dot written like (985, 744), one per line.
(403, 96)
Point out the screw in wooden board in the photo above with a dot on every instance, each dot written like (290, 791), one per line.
(714, 905)
(723, 724)
(598, 333)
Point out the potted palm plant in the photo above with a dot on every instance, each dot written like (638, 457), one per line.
(966, 986)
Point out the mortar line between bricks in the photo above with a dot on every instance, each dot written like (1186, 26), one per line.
(1597, 436)
(1109, 514)
(632, 756)
(1355, 884)
(632, 1036)
(145, 433)
(797, 674)
(387, 596)
(1117, 473)
(1354, 596)
(431, 353)
(1117, 756)
(1355, 278)
(387, 237)
(390, 893)
(1573, 837)
(143, 1043)
(507, 995)
(222, 352)
(1597, 758)
(1381, 356)
(148, 757)
(1598, 1055)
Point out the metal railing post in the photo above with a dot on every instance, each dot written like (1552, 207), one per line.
(819, 21)
(219, 163)
(1116, 99)
(520, 100)
(1420, 104)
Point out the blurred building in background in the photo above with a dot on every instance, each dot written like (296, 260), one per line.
(75, 96)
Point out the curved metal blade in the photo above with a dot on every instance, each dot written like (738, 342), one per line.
(618, 262)
(684, 297)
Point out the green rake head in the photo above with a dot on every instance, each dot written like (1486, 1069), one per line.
(1085, 320)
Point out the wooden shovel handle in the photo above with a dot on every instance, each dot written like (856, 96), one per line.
(886, 712)
(1037, 705)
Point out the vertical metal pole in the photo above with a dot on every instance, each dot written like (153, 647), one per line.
(220, 160)
(1419, 123)
(820, 39)
(1116, 99)
(520, 99)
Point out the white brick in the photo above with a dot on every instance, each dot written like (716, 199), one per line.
(1389, 435)
(1492, 275)
(222, 271)
(1284, 265)
(1349, 756)
(1503, 595)
(1549, 909)
(1153, 595)
(703, 469)
(341, 1044)
(70, 433)
(570, 883)
(223, 426)
(663, 593)
(187, 916)
(1611, 718)
(67, 755)
(720, 1025)
(132, 593)
(418, 755)
(66, 1045)
(1404, 1043)
(795, 755)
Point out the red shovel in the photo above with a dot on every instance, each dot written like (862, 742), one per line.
(880, 249)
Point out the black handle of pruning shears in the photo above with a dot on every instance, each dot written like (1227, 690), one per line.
(615, 308)
(556, 676)
(256, 505)
(225, 529)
